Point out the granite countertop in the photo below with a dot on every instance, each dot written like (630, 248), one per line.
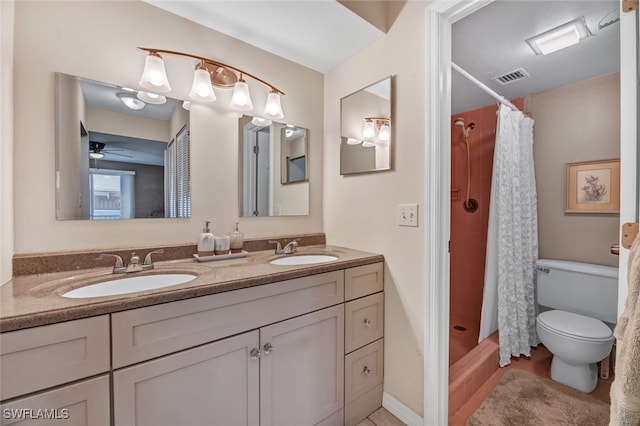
(34, 300)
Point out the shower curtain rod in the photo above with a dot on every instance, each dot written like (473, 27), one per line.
(481, 85)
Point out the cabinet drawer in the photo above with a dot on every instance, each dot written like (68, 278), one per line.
(364, 321)
(363, 370)
(41, 357)
(145, 333)
(363, 280)
(80, 404)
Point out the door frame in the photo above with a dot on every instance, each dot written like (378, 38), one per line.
(440, 15)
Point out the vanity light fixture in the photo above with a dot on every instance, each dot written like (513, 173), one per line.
(96, 155)
(352, 141)
(560, 37)
(131, 102)
(186, 105)
(209, 73)
(376, 126)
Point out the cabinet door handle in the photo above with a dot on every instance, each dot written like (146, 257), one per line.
(366, 371)
(367, 322)
(267, 348)
(255, 353)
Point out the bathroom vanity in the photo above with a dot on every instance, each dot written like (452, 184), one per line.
(246, 343)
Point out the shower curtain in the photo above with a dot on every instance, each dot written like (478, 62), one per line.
(512, 240)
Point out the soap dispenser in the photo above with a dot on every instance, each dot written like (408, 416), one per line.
(206, 242)
(237, 239)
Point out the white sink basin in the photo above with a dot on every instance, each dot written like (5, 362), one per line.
(128, 285)
(305, 259)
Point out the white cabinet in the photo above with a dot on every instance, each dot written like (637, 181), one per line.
(80, 404)
(213, 384)
(364, 343)
(40, 361)
(288, 373)
(301, 369)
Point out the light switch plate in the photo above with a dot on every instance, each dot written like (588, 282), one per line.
(408, 215)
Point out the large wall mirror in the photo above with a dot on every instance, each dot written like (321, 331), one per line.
(274, 162)
(120, 154)
(365, 129)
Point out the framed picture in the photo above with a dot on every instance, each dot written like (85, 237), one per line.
(593, 187)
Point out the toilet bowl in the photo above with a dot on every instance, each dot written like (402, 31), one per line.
(578, 343)
(578, 304)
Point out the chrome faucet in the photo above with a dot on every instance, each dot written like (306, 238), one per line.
(291, 247)
(134, 262)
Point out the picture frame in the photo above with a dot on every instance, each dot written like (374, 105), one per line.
(593, 187)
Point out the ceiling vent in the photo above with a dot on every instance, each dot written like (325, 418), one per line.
(511, 76)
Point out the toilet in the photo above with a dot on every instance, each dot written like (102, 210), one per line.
(578, 311)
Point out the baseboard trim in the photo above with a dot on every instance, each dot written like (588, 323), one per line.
(400, 410)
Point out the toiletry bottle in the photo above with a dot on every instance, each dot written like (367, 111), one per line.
(237, 239)
(222, 245)
(206, 242)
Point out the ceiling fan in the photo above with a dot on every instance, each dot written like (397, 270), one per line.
(98, 150)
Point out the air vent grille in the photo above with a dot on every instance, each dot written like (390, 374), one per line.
(511, 76)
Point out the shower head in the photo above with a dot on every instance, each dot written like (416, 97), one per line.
(459, 122)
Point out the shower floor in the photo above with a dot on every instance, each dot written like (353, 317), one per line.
(461, 342)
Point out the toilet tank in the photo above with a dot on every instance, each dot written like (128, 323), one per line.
(581, 288)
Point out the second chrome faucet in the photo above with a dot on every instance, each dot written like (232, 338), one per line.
(291, 247)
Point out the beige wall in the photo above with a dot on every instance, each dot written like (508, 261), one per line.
(360, 210)
(574, 123)
(99, 40)
(6, 139)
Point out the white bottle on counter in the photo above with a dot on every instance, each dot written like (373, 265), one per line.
(206, 242)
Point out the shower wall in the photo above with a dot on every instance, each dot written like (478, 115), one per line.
(469, 230)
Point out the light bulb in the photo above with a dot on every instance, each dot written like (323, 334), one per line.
(241, 98)
(384, 134)
(202, 90)
(369, 129)
(154, 76)
(273, 108)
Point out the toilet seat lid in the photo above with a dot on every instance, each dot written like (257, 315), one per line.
(575, 325)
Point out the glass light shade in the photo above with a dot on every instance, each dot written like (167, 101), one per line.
(369, 129)
(273, 108)
(96, 155)
(186, 105)
(384, 133)
(258, 121)
(352, 141)
(154, 76)
(202, 90)
(131, 102)
(151, 98)
(241, 98)
(368, 144)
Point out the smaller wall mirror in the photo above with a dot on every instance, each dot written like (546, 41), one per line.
(274, 163)
(365, 129)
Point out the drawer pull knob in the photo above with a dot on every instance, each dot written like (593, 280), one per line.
(255, 353)
(366, 371)
(267, 348)
(367, 322)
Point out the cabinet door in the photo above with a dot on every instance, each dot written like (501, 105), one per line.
(81, 404)
(214, 384)
(302, 369)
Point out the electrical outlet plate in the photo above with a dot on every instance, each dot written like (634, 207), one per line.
(408, 215)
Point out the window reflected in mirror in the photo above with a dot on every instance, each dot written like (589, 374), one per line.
(274, 162)
(120, 153)
(366, 125)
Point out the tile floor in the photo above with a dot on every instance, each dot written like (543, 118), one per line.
(381, 417)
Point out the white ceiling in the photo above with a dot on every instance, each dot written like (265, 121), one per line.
(492, 42)
(318, 34)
